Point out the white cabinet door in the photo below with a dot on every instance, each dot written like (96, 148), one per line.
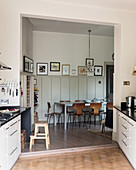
(3, 147)
(10, 146)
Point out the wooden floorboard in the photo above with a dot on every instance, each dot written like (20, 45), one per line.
(78, 137)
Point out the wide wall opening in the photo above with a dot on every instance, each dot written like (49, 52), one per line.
(68, 82)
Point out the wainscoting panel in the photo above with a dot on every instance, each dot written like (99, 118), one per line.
(99, 87)
(91, 88)
(73, 88)
(54, 89)
(64, 88)
(82, 88)
(46, 94)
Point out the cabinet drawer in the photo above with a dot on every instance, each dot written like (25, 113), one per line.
(12, 141)
(12, 158)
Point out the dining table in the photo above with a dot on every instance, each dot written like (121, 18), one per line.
(65, 105)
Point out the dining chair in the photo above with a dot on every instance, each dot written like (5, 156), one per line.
(96, 110)
(77, 107)
(52, 114)
(108, 121)
(65, 101)
(83, 101)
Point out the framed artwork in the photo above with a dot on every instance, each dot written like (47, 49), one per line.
(65, 69)
(82, 70)
(28, 64)
(98, 70)
(55, 66)
(90, 71)
(89, 62)
(42, 69)
(73, 71)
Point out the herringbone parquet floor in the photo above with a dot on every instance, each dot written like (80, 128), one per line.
(110, 158)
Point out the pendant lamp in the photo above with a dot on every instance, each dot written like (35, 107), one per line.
(90, 61)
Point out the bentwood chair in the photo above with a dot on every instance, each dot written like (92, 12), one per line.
(80, 101)
(96, 110)
(77, 107)
(52, 114)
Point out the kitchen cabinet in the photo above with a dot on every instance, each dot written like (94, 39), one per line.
(10, 146)
(126, 128)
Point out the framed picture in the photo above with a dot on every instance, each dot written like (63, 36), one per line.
(35, 81)
(42, 69)
(26, 66)
(82, 70)
(73, 71)
(55, 66)
(89, 62)
(65, 69)
(98, 70)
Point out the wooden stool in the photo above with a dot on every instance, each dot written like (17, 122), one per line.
(38, 135)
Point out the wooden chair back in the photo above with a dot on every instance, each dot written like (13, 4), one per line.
(49, 106)
(65, 101)
(109, 106)
(80, 101)
(78, 107)
(95, 107)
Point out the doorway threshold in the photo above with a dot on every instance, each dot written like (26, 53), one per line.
(27, 155)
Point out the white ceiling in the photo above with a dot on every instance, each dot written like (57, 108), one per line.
(125, 5)
(71, 27)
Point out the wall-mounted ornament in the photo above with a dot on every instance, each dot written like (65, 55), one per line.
(89, 62)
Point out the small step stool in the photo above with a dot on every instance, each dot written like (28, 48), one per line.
(38, 135)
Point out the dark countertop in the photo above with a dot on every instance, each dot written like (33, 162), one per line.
(131, 113)
(13, 115)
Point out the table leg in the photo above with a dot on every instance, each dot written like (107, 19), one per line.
(54, 115)
(65, 117)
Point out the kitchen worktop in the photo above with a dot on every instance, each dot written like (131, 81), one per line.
(13, 115)
(131, 113)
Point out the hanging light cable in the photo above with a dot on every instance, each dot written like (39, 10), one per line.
(90, 61)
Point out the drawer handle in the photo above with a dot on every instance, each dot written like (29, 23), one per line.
(7, 128)
(13, 151)
(13, 133)
(125, 127)
(13, 123)
(124, 119)
(125, 135)
(125, 143)
(131, 124)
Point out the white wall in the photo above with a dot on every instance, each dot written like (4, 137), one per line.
(125, 37)
(27, 40)
(70, 49)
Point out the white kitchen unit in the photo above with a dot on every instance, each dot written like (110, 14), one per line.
(10, 142)
(127, 136)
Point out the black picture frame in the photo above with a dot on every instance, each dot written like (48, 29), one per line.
(55, 66)
(42, 69)
(98, 70)
(28, 64)
(89, 62)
